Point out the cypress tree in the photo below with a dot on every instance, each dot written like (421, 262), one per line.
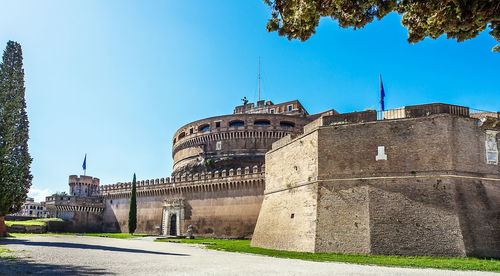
(132, 214)
(15, 160)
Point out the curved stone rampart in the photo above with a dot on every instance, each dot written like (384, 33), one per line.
(230, 141)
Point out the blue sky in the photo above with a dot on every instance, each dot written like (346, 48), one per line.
(116, 79)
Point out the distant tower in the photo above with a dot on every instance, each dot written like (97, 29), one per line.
(83, 185)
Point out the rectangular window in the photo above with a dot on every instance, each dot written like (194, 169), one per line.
(290, 107)
(272, 111)
(217, 124)
(191, 131)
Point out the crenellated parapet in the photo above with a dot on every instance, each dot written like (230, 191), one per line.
(240, 178)
(74, 203)
(83, 185)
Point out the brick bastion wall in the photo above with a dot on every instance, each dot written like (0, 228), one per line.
(217, 204)
(407, 186)
(84, 213)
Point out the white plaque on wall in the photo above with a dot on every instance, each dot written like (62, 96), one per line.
(491, 147)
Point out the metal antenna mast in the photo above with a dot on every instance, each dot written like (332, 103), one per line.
(259, 78)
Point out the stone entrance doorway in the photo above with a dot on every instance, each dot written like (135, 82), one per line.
(173, 225)
(173, 217)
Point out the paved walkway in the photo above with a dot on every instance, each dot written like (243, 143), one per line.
(77, 255)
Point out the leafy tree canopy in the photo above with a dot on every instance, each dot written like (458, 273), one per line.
(458, 19)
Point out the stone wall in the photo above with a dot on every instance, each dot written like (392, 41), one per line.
(230, 213)
(35, 229)
(288, 214)
(287, 220)
(216, 205)
(418, 186)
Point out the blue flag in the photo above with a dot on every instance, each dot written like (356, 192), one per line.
(84, 166)
(382, 94)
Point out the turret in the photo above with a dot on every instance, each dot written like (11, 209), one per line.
(83, 185)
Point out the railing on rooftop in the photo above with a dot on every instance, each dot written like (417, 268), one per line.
(423, 110)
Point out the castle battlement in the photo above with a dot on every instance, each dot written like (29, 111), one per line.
(242, 176)
(74, 204)
(83, 185)
(83, 179)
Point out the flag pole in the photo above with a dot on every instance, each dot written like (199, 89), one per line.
(382, 95)
(84, 166)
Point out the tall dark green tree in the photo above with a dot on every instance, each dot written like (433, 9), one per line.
(458, 19)
(132, 214)
(15, 160)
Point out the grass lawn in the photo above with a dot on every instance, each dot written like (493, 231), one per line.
(243, 246)
(31, 222)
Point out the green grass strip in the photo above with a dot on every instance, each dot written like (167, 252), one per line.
(40, 222)
(6, 253)
(243, 246)
(116, 235)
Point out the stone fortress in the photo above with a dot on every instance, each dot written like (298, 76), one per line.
(417, 180)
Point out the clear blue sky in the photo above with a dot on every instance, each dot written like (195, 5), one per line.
(116, 79)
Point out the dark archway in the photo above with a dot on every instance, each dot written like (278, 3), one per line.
(173, 225)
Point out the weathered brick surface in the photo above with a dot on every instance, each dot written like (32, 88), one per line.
(434, 195)
(414, 217)
(343, 218)
(291, 168)
(295, 166)
(277, 229)
(230, 213)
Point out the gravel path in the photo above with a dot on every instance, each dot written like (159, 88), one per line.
(77, 255)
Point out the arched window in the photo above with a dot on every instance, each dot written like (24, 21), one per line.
(204, 127)
(175, 140)
(287, 124)
(262, 123)
(182, 135)
(236, 123)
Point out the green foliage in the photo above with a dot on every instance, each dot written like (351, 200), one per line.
(207, 162)
(132, 214)
(461, 20)
(15, 161)
(60, 194)
(397, 261)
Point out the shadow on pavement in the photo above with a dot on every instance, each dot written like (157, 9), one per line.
(24, 267)
(85, 246)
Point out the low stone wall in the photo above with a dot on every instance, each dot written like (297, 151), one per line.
(59, 226)
(19, 218)
(35, 229)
